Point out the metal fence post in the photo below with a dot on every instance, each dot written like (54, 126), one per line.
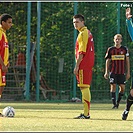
(118, 32)
(38, 50)
(75, 36)
(27, 84)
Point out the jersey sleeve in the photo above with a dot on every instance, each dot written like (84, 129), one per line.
(130, 27)
(83, 41)
(127, 52)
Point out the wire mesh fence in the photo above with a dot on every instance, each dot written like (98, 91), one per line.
(57, 47)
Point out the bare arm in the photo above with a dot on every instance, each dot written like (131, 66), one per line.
(4, 68)
(107, 68)
(78, 63)
(129, 22)
(128, 13)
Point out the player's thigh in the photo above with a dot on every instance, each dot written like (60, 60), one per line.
(112, 78)
(122, 88)
(85, 77)
(112, 87)
(121, 79)
(2, 78)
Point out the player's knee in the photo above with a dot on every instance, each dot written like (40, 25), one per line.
(130, 97)
(131, 92)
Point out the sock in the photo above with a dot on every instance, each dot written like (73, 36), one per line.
(129, 102)
(113, 97)
(119, 97)
(86, 98)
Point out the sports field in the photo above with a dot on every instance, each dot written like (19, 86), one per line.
(59, 117)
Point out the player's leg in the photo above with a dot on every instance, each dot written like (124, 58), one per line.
(121, 80)
(129, 103)
(2, 84)
(113, 94)
(1, 90)
(85, 78)
(86, 98)
(113, 78)
(129, 100)
(120, 95)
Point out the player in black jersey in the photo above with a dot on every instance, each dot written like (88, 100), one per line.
(117, 68)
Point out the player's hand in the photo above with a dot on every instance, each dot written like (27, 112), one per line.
(4, 68)
(106, 76)
(76, 69)
(128, 13)
(127, 76)
(8, 65)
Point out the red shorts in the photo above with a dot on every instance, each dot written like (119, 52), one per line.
(84, 78)
(2, 78)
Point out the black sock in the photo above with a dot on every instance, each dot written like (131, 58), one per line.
(129, 102)
(113, 97)
(119, 97)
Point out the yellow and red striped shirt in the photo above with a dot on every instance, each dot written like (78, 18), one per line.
(4, 48)
(85, 45)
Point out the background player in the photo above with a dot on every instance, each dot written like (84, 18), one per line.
(6, 23)
(117, 61)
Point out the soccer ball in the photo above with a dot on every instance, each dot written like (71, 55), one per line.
(8, 111)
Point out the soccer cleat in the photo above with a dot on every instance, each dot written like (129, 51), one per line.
(82, 116)
(125, 114)
(1, 115)
(115, 107)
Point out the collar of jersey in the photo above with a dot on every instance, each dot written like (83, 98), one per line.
(82, 28)
(2, 29)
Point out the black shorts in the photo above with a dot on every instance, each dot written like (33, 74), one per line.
(117, 78)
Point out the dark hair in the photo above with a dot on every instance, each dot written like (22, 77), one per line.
(80, 16)
(4, 17)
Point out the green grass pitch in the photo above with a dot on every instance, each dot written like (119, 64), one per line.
(59, 117)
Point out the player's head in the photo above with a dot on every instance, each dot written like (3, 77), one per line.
(78, 21)
(118, 39)
(6, 21)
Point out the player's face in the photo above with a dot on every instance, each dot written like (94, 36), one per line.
(7, 25)
(78, 23)
(117, 40)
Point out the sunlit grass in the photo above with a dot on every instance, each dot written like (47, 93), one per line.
(59, 117)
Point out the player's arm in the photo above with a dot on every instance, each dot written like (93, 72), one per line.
(79, 59)
(128, 67)
(4, 68)
(82, 40)
(106, 75)
(129, 22)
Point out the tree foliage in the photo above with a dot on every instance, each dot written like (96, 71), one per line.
(57, 36)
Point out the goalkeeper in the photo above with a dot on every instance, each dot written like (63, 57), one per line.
(130, 96)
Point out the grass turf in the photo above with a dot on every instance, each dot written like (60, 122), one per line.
(59, 117)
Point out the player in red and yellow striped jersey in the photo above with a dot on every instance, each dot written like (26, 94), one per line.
(5, 24)
(84, 54)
